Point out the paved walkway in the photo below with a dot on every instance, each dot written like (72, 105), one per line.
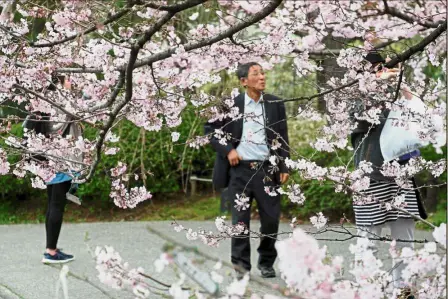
(22, 275)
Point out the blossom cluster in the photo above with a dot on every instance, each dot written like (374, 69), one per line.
(123, 197)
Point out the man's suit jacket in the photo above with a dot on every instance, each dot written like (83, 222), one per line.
(275, 127)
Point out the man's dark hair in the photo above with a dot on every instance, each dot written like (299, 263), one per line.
(374, 57)
(243, 69)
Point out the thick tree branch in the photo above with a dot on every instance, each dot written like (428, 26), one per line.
(330, 52)
(237, 43)
(207, 42)
(87, 31)
(132, 64)
(405, 55)
(396, 13)
(128, 87)
(400, 57)
(74, 70)
(190, 46)
(42, 153)
(74, 116)
(114, 113)
(69, 70)
(113, 96)
(171, 8)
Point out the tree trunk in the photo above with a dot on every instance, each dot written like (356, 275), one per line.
(330, 67)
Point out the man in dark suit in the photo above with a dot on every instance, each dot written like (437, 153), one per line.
(252, 161)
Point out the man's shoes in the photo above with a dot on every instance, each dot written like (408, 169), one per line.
(240, 272)
(239, 275)
(58, 258)
(266, 272)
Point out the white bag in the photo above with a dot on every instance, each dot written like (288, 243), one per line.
(396, 141)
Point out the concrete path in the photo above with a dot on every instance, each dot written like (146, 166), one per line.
(22, 275)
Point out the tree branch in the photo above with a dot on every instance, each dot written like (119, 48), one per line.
(24, 149)
(128, 96)
(207, 42)
(74, 116)
(237, 43)
(81, 70)
(190, 46)
(403, 56)
(113, 96)
(84, 279)
(330, 52)
(400, 57)
(70, 70)
(319, 94)
(114, 113)
(87, 31)
(396, 13)
(171, 8)
(211, 258)
(415, 216)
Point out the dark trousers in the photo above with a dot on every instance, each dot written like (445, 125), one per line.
(55, 211)
(226, 203)
(244, 179)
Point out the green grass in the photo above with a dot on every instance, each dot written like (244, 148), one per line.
(190, 209)
(179, 208)
(10, 215)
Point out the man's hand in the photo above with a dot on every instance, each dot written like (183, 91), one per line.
(233, 157)
(284, 177)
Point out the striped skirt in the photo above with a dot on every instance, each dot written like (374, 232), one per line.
(375, 208)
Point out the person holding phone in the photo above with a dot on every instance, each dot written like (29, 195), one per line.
(377, 211)
(61, 186)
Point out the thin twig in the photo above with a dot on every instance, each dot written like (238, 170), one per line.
(84, 279)
(414, 216)
(211, 258)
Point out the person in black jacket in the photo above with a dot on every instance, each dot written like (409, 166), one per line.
(376, 213)
(250, 162)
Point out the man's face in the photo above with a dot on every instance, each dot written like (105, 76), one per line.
(256, 79)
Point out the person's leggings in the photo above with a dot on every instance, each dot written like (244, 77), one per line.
(55, 211)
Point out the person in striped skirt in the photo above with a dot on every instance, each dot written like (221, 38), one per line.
(374, 211)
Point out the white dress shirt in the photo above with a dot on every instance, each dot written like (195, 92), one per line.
(253, 144)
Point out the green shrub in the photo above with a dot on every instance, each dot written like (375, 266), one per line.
(11, 186)
(165, 163)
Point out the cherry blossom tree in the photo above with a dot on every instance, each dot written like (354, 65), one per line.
(89, 64)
